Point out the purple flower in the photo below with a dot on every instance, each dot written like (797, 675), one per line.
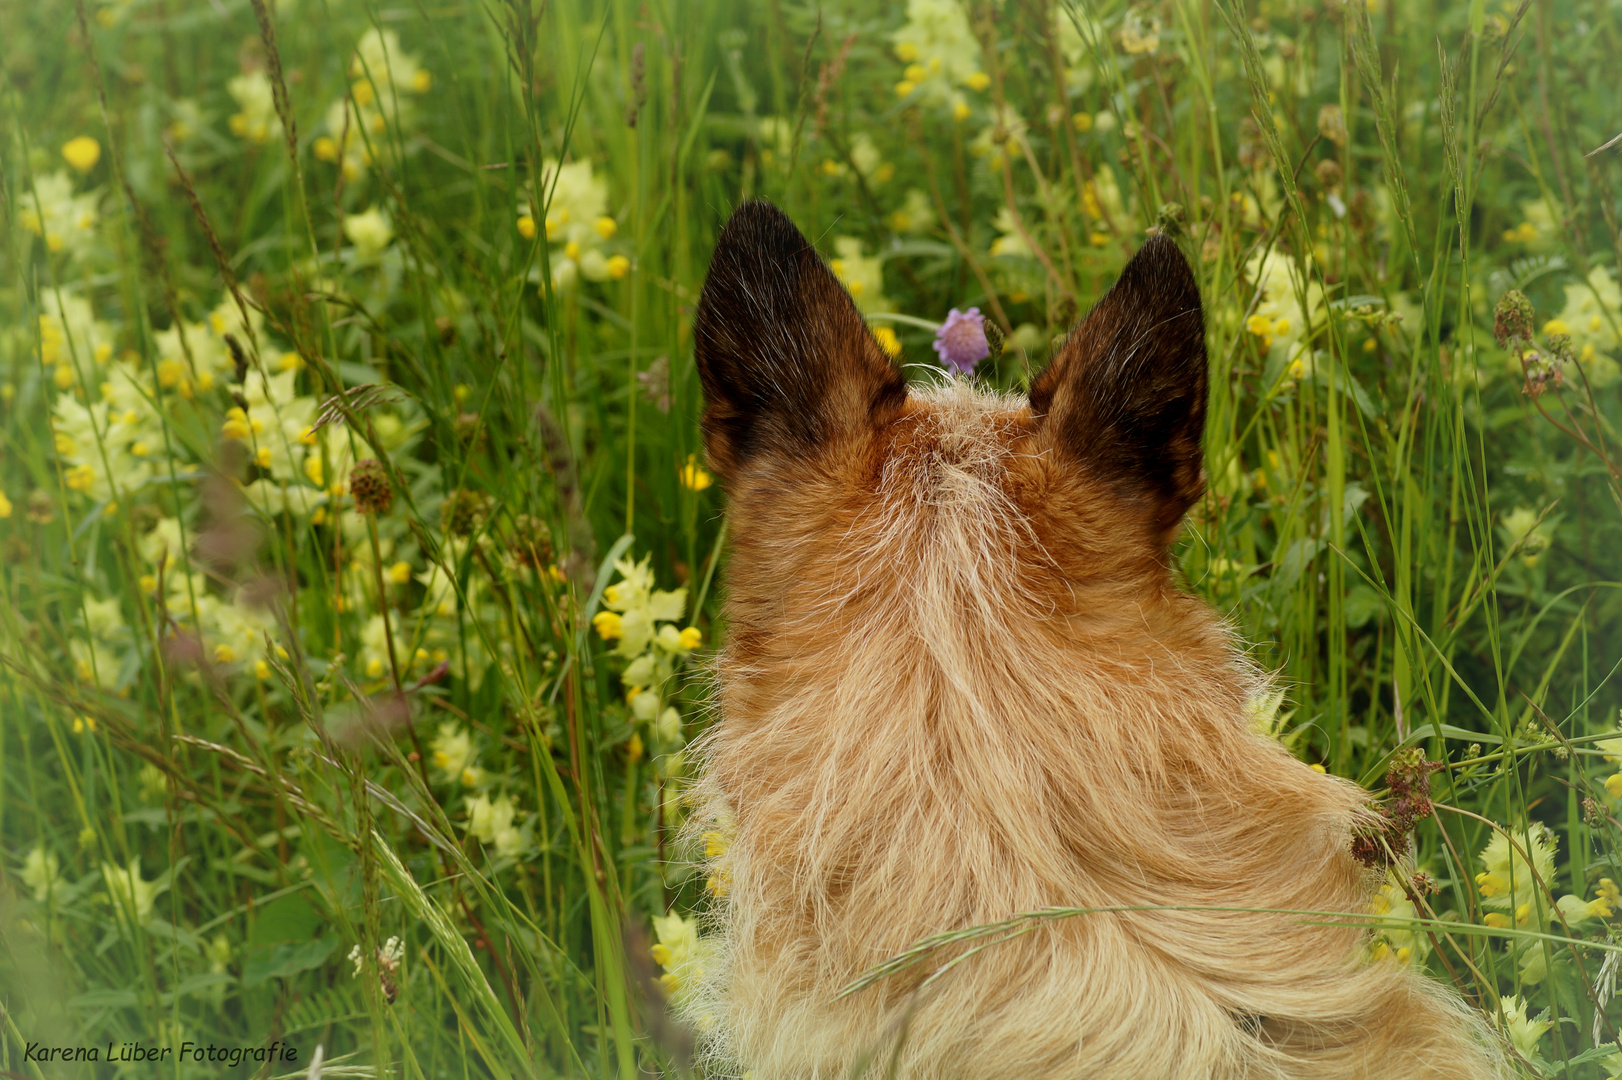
(961, 340)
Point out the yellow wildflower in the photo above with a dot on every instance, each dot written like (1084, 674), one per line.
(693, 475)
(41, 872)
(607, 625)
(130, 894)
(1610, 898)
(888, 341)
(1523, 1033)
(1507, 882)
(451, 750)
(680, 951)
(82, 153)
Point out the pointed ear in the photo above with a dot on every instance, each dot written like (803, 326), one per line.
(1125, 398)
(787, 363)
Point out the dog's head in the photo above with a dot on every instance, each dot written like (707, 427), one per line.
(819, 441)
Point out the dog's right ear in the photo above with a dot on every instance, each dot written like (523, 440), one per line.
(788, 365)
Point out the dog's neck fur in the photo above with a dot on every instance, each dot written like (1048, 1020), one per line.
(909, 658)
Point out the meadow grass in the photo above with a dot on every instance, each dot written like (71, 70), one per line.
(360, 560)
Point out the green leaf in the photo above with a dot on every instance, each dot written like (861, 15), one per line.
(288, 958)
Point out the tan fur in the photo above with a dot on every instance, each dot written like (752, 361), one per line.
(955, 691)
(961, 683)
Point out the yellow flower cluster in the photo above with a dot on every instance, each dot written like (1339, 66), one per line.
(131, 895)
(1592, 317)
(577, 222)
(51, 211)
(941, 54)
(492, 821)
(1518, 899)
(681, 952)
(385, 80)
(862, 275)
(255, 119)
(915, 215)
(1278, 318)
(1396, 936)
(452, 755)
(1508, 882)
(640, 620)
(717, 842)
(370, 231)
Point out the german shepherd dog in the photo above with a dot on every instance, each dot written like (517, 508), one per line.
(961, 682)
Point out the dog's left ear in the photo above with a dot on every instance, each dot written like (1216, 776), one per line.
(1124, 400)
(788, 365)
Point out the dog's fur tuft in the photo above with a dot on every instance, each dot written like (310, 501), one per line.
(961, 683)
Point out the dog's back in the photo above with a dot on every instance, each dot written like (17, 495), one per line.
(961, 684)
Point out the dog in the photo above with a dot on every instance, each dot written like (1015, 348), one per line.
(961, 683)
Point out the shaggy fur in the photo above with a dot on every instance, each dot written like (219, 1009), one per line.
(961, 683)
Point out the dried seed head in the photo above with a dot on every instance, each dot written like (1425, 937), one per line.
(1560, 348)
(463, 511)
(369, 484)
(1409, 782)
(1329, 174)
(1542, 373)
(1512, 319)
(1171, 219)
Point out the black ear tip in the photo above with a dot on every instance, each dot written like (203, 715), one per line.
(761, 226)
(755, 212)
(1161, 267)
(1161, 251)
